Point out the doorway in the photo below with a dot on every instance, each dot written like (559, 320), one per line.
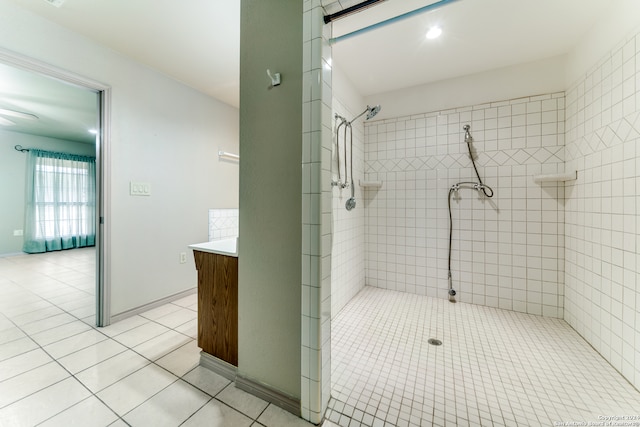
(86, 121)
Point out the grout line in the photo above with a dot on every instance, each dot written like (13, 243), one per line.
(126, 348)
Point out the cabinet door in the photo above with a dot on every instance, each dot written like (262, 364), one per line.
(218, 305)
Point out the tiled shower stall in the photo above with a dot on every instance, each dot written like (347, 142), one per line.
(507, 250)
(567, 250)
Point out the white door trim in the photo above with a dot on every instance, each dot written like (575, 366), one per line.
(103, 168)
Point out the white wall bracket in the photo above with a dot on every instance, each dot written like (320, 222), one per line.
(276, 79)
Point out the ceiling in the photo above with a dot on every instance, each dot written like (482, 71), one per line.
(54, 109)
(478, 35)
(197, 41)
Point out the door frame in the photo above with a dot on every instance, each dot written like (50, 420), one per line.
(103, 168)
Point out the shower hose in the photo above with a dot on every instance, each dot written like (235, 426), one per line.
(478, 186)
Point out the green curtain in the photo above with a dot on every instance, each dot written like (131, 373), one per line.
(60, 202)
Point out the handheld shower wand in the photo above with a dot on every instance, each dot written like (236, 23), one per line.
(371, 112)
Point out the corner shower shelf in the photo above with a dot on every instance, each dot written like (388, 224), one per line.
(370, 184)
(556, 177)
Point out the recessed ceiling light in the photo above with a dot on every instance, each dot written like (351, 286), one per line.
(434, 33)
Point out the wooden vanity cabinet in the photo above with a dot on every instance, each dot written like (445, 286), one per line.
(218, 305)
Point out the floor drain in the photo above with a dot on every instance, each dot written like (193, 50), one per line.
(434, 341)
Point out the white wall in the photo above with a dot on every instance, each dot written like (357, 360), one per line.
(271, 200)
(163, 133)
(535, 78)
(610, 29)
(12, 180)
(602, 216)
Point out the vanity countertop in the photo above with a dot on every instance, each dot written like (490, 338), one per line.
(228, 247)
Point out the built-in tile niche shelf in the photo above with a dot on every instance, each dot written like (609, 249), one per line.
(370, 184)
(556, 177)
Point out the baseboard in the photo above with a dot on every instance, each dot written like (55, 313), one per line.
(134, 311)
(268, 394)
(12, 254)
(218, 366)
(282, 400)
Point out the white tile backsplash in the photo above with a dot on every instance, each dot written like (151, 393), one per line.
(223, 224)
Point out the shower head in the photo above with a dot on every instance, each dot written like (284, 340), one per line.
(373, 111)
(467, 136)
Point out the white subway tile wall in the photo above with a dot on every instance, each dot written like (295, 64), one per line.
(602, 252)
(223, 224)
(316, 214)
(348, 249)
(508, 251)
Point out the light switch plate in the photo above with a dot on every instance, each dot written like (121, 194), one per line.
(139, 188)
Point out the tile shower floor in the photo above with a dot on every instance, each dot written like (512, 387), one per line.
(57, 369)
(494, 367)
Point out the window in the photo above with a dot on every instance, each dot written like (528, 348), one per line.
(60, 202)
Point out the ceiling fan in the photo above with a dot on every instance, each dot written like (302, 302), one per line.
(4, 113)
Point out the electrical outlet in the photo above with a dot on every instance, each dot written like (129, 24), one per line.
(183, 257)
(17, 232)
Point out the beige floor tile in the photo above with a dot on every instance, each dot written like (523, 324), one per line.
(161, 345)
(44, 404)
(206, 380)
(87, 413)
(29, 382)
(131, 391)
(217, 414)
(244, 402)
(274, 416)
(90, 356)
(171, 407)
(17, 365)
(105, 373)
(181, 360)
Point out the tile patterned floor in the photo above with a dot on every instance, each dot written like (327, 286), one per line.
(57, 369)
(494, 367)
